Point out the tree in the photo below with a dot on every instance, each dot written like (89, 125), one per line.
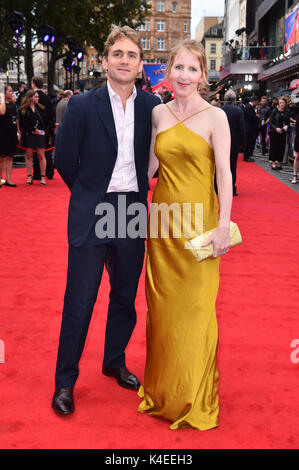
(88, 21)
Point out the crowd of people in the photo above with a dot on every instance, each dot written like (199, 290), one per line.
(29, 119)
(257, 50)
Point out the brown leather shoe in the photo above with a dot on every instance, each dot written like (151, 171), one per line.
(63, 401)
(124, 377)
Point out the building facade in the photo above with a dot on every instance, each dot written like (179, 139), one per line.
(267, 57)
(9, 74)
(213, 42)
(205, 24)
(169, 23)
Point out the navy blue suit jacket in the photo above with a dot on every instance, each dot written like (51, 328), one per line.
(237, 126)
(86, 151)
(252, 122)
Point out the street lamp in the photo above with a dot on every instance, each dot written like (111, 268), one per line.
(16, 21)
(75, 52)
(47, 35)
(68, 62)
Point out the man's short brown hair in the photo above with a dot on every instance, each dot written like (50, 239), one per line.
(38, 82)
(122, 32)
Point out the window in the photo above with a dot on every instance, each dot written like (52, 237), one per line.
(174, 7)
(185, 26)
(212, 64)
(214, 32)
(161, 6)
(160, 44)
(142, 27)
(146, 43)
(213, 48)
(160, 25)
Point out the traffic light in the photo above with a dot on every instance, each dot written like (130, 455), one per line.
(47, 34)
(75, 47)
(69, 61)
(16, 21)
(79, 52)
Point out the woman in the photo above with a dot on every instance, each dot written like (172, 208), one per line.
(189, 137)
(279, 123)
(8, 134)
(33, 133)
(296, 148)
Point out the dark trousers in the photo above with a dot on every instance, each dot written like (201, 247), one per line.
(123, 258)
(249, 143)
(277, 146)
(233, 168)
(263, 131)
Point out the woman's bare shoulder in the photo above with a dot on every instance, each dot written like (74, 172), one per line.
(217, 116)
(216, 112)
(158, 112)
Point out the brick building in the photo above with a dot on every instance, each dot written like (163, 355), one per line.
(169, 23)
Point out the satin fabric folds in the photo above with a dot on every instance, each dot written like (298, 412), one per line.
(181, 374)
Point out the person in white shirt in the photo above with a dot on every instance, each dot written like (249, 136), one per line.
(102, 154)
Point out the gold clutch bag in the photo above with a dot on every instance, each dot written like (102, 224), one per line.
(203, 252)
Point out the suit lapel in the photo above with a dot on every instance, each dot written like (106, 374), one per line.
(105, 113)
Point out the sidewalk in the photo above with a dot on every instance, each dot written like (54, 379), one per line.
(284, 175)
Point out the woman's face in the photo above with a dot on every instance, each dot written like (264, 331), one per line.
(185, 73)
(281, 104)
(34, 98)
(9, 93)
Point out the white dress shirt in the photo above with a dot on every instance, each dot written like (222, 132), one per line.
(124, 176)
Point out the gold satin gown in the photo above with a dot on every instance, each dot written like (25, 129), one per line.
(181, 374)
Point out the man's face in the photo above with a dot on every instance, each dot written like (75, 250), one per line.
(123, 61)
(263, 101)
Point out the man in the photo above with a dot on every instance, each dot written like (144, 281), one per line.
(264, 113)
(252, 123)
(102, 154)
(46, 112)
(61, 107)
(21, 92)
(237, 129)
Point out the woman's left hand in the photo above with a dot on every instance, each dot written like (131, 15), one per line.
(221, 241)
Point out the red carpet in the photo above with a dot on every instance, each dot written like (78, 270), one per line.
(257, 312)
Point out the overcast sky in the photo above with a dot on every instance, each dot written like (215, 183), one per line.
(201, 8)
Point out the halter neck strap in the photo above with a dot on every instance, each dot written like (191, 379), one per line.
(189, 117)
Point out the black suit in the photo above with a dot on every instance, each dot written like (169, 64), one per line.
(46, 113)
(252, 128)
(237, 130)
(85, 155)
